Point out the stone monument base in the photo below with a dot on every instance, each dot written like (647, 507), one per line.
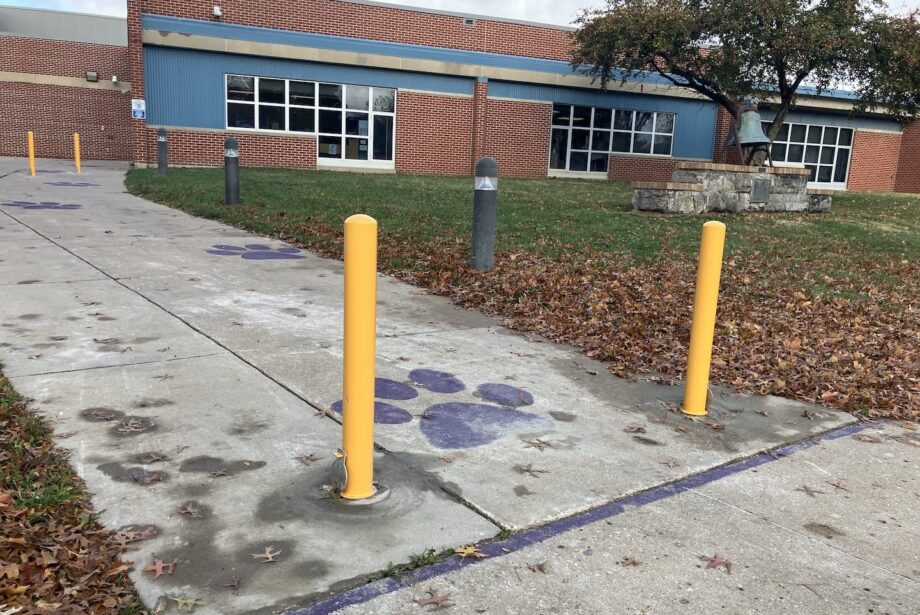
(701, 187)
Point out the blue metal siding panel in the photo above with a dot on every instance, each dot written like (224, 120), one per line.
(694, 130)
(186, 87)
(836, 119)
(340, 43)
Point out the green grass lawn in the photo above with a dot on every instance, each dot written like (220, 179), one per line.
(544, 216)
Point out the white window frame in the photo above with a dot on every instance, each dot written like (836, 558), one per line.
(566, 172)
(831, 185)
(341, 161)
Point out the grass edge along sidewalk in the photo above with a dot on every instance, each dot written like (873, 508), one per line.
(820, 308)
(55, 557)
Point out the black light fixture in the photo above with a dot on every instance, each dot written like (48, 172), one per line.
(92, 76)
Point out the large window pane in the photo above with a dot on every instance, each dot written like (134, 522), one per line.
(830, 136)
(840, 170)
(356, 123)
(778, 152)
(561, 115)
(795, 153)
(644, 121)
(580, 139)
(241, 88)
(600, 141)
(623, 120)
(241, 115)
(301, 120)
(622, 141)
(814, 134)
(357, 97)
(330, 121)
(559, 148)
(383, 136)
(824, 174)
(599, 163)
(384, 100)
(813, 172)
(271, 91)
(330, 147)
(665, 123)
(578, 161)
(783, 134)
(302, 93)
(827, 155)
(602, 118)
(797, 133)
(811, 153)
(271, 117)
(356, 149)
(581, 117)
(846, 136)
(330, 95)
(662, 145)
(642, 143)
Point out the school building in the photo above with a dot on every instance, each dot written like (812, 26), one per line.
(361, 85)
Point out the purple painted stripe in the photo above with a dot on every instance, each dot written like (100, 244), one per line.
(540, 534)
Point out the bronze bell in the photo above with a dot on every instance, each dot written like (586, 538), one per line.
(751, 132)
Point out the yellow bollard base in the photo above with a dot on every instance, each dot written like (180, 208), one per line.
(695, 412)
(381, 492)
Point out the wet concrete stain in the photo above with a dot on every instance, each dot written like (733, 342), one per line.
(200, 511)
(105, 318)
(30, 316)
(137, 475)
(248, 427)
(205, 464)
(57, 338)
(153, 403)
(101, 414)
(522, 491)
(563, 417)
(310, 569)
(647, 441)
(29, 282)
(824, 530)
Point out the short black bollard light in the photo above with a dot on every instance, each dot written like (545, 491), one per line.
(485, 204)
(162, 155)
(231, 172)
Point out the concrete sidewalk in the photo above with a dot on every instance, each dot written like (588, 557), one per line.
(200, 367)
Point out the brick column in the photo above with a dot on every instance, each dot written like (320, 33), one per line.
(139, 145)
(480, 119)
(721, 153)
(908, 177)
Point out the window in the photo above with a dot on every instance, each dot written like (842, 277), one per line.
(582, 137)
(352, 122)
(823, 150)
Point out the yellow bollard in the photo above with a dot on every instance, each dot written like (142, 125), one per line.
(360, 354)
(76, 151)
(31, 154)
(704, 318)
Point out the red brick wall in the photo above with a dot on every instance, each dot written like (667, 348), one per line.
(206, 149)
(517, 135)
(908, 177)
(434, 134)
(62, 58)
(874, 163)
(721, 152)
(54, 113)
(640, 168)
(374, 22)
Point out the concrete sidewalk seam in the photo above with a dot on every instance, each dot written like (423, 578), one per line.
(98, 367)
(808, 537)
(517, 542)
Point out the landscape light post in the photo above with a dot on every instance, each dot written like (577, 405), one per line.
(485, 204)
(231, 172)
(162, 152)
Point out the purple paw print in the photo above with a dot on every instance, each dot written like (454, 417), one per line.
(71, 184)
(256, 252)
(41, 205)
(456, 424)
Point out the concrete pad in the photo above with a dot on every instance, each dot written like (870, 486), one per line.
(61, 327)
(244, 425)
(571, 437)
(39, 262)
(647, 560)
(858, 494)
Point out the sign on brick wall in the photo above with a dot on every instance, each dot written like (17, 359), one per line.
(138, 109)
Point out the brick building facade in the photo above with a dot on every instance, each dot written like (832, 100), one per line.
(356, 85)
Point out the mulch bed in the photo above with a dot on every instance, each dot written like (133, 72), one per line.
(55, 558)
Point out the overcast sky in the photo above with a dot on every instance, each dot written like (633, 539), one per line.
(546, 11)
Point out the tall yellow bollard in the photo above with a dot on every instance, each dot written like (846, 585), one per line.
(704, 318)
(76, 151)
(31, 154)
(360, 354)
